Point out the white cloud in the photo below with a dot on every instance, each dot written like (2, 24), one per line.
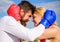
(4, 4)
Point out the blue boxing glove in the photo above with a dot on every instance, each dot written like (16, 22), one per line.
(48, 18)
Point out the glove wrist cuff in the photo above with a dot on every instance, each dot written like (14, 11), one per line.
(45, 23)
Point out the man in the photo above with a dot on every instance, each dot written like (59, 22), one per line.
(26, 11)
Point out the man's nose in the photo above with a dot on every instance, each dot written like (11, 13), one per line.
(29, 19)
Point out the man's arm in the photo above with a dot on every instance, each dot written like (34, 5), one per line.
(10, 25)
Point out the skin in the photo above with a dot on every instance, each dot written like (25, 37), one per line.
(57, 37)
(50, 33)
(35, 18)
(25, 17)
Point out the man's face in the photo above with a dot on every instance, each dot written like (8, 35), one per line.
(26, 16)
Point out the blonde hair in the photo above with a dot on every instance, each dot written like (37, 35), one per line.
(40, 12)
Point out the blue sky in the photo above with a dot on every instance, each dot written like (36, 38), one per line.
(48, 4)
(35, 1)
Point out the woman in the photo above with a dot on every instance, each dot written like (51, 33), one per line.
(51, 32)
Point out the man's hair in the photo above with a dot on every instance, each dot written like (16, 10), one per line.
(26, 6)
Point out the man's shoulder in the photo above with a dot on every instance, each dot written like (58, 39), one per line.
(6, 18)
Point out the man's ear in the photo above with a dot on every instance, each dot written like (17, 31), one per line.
(22, 12)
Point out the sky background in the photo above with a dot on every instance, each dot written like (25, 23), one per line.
(48, 4)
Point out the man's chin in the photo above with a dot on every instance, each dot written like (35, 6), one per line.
(25, 20)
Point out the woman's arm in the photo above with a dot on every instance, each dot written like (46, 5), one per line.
(10, 25)
(49, 33)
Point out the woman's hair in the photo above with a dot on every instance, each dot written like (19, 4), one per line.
(40, 12)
